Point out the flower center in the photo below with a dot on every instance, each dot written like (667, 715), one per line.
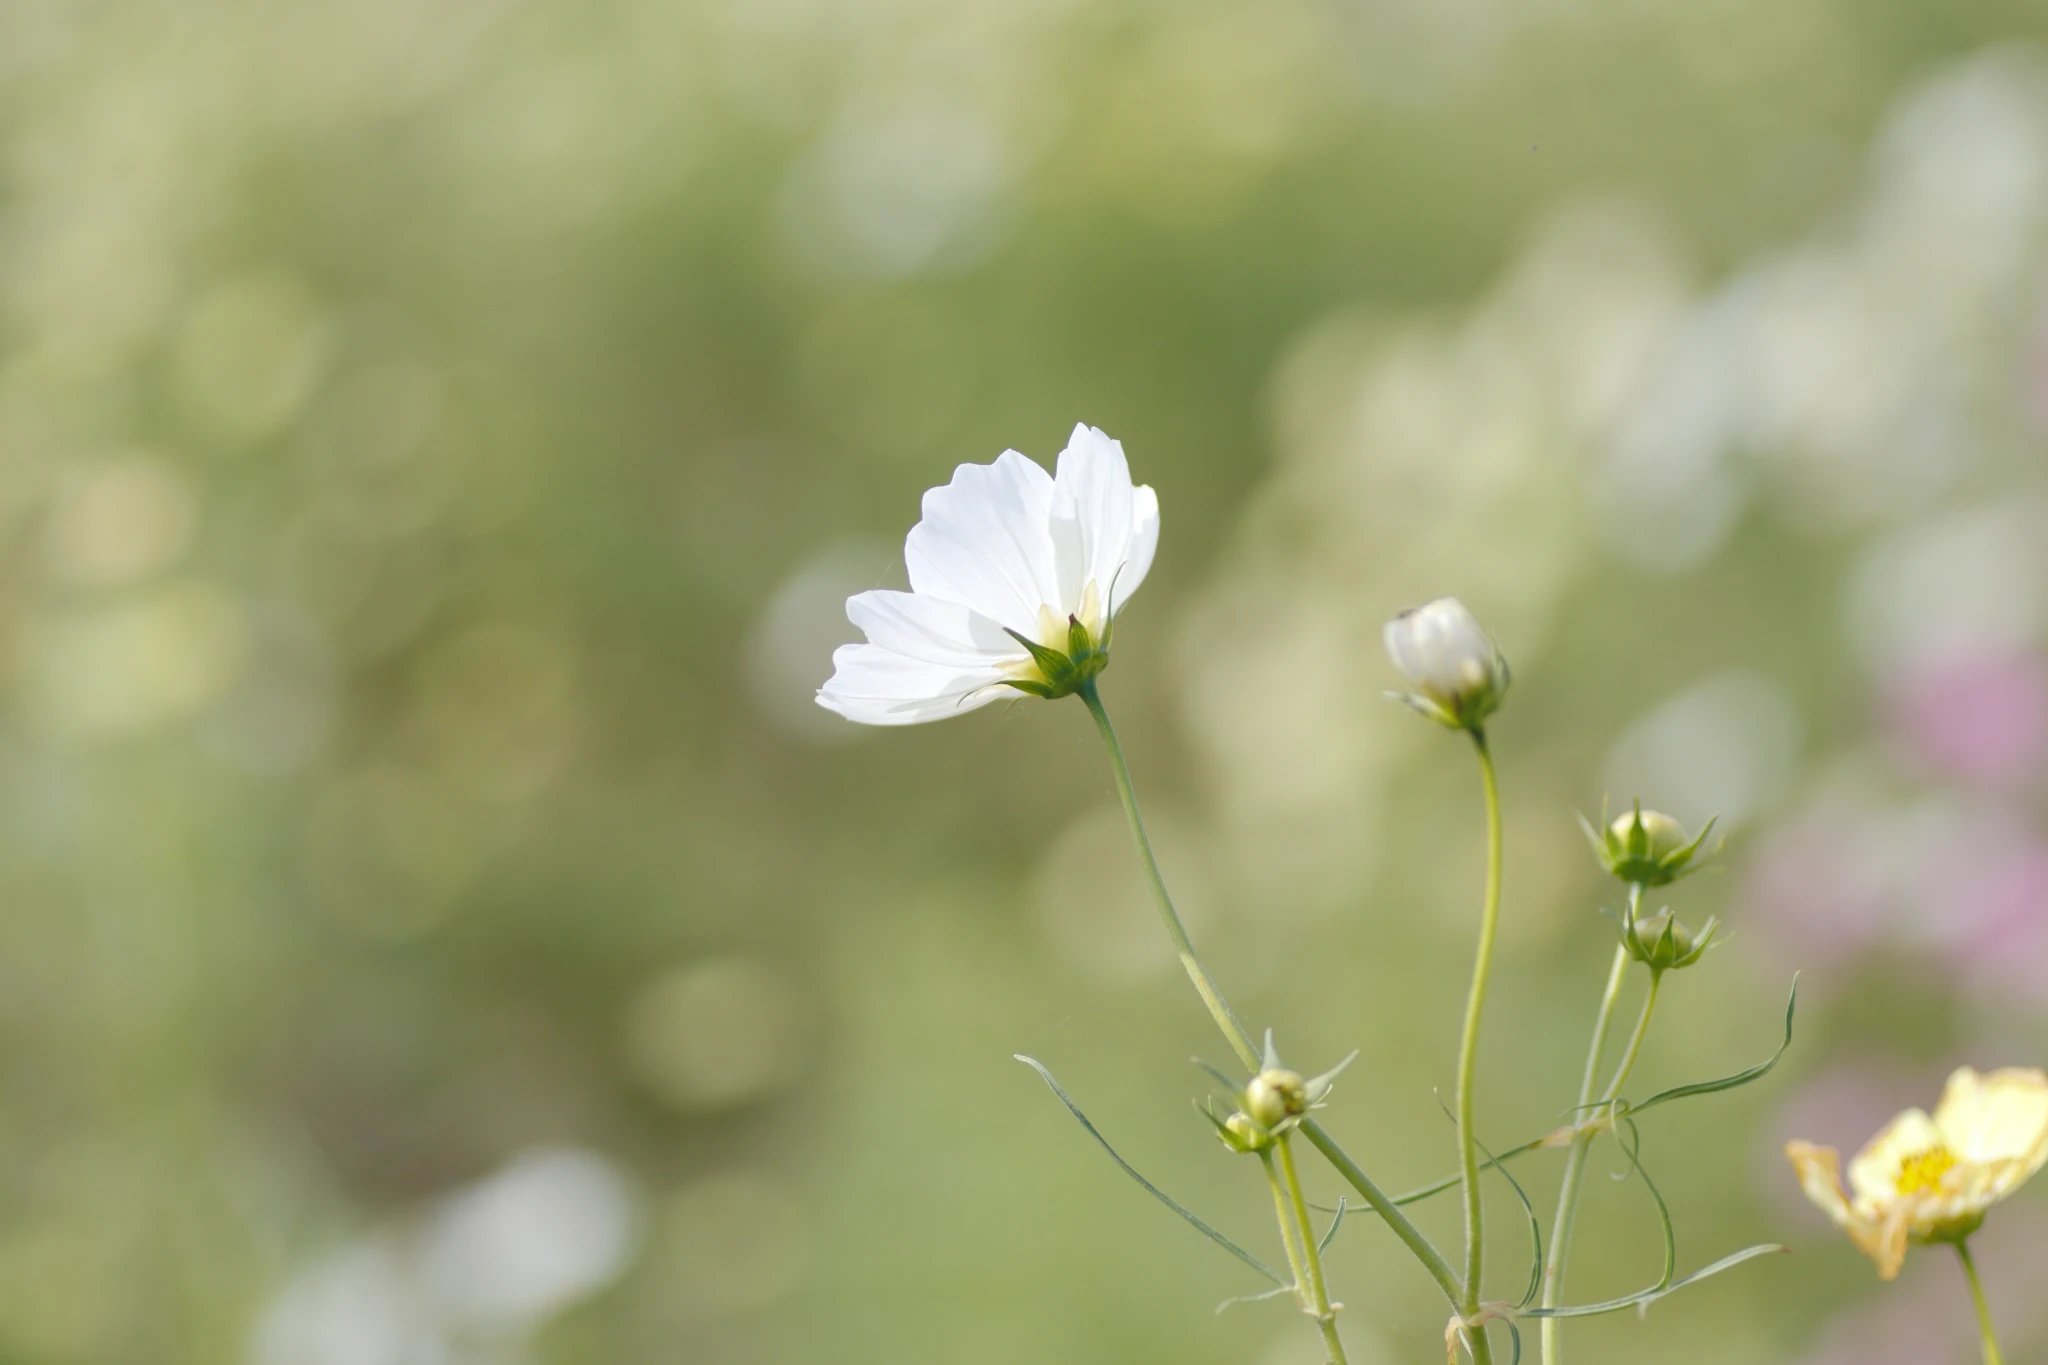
(1921, 1173)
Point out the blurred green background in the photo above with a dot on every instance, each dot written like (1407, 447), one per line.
(436, 441)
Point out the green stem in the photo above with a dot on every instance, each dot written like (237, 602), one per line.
(1377, 1199)
(1205, 986)
(1468, 1051)
(1239, 1037)
(1317, 1300)
(1992, 1355)
(1635, 1044)
(1285, 1215)
(1575, 1161)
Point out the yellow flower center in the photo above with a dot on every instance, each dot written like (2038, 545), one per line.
(1921, 1173)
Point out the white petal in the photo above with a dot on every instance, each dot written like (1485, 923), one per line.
(1994, 1117)
(1092, 515)
(1880, 1234)
(984, 541)
(878, 686)
(1819, 1172)
(1143, 544)
(1402, 646)
(1436, 645)
(931, 629)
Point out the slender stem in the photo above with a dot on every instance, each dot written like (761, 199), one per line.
(1288, 1229)
(1318, 1301)
(1205, 986)
(1575, 1160)
(1567, 1205)
(1992, 1355)
(1635, 1043)
(1468, 1049)
(1239, 1037)
(1411, 1236)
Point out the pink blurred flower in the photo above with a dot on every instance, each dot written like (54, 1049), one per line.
(1818, 886)
(1980, 897)
(1983, 719)
(2008, 949)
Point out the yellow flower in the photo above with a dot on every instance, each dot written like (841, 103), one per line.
(1931, 1179)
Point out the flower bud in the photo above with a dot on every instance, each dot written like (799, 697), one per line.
(1456, 668)
(1663, 944)
(1645, 847)
(1276, 1095)
(1241, 1133)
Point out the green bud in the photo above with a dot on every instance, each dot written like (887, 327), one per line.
(1241, 1133)
(1645, 847)
(1274, 1101)
(1663, 944)
(1276, 1095)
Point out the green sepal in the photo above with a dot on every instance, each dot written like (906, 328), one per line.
(1594, 837)
(1108, 612)
(1319, 1086)
(1637, 843)
(1060, 675)
(1050, 661)
(1685, 855)
(1079, 644)
(1271, 1061)
(1427, 707)
(1241, 1133)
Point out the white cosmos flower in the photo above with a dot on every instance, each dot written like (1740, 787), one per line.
(1004, 551)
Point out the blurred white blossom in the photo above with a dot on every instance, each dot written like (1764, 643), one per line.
(485, 1269)
(1726, 746)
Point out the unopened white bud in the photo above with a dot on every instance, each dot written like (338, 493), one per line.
(1459, 674)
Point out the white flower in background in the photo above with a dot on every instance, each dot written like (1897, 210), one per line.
(485, 1272)
(1016, 578)
(1443, 650)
